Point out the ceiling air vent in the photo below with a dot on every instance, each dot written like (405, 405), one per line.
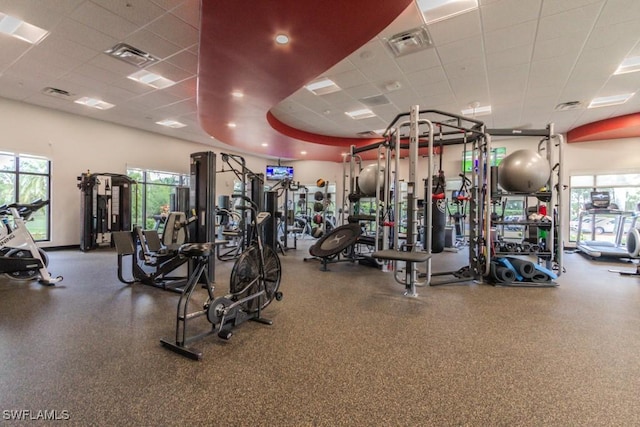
(58, 93)
(375, 100)
(367, 134)
(410, 41)
(131, 55)
(571, 105)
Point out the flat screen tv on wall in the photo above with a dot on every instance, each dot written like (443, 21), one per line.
(276, 173)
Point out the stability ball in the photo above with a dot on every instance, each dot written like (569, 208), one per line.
(524, 171)
(367, 180)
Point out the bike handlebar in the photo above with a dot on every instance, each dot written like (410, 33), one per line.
(24, 209)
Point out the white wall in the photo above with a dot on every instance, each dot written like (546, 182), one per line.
(76, 144)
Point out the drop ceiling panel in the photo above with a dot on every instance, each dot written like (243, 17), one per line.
(466, 68)
(572, 22)
(101, 19)
(140, 12)
(346, 79)
(174, 29)
(169, 71)
(84, 35)
(11, 49)
(189, 12)
(616, 11)
(177, 109)
(112, 65)
(456, 51)
(37, 12)
(509, 58)
(185, 60)
(510, 37)
(97, 73)
(184, 89)
(569, 46)
(66, 48)
(419, 60)
(552, 7)
(457, 28)
(506, 13)
(362, 91)
(428, 77)
(151, 43)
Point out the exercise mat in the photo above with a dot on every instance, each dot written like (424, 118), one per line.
(525, 268)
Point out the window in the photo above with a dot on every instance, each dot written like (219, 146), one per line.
(24, 179)
(623, 189)
(152, 195)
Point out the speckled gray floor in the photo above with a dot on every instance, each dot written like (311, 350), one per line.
(346, 348)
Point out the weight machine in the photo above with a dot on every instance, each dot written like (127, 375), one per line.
(105, 207)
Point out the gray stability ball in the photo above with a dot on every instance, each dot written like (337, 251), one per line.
(367, 180)
(523, 171)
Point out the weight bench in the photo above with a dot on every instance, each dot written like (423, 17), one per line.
(410, 258)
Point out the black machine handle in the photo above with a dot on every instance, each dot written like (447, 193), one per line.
(254, 206)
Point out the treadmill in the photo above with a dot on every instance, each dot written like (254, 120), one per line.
(600, 208)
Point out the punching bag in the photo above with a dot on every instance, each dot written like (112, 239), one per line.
(438, 222)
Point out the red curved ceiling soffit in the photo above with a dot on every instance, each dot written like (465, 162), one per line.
(627, 126)
(238, 52)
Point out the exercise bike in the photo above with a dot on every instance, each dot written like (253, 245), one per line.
(20, 257)
(255, 279)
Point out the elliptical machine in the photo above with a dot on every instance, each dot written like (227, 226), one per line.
(21, 259)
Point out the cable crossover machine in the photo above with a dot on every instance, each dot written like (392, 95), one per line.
(390, 211)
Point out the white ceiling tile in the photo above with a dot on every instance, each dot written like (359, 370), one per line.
(168, 4)
(457, 28)
(185, 60)
(101, 19)
(466, 68)
(67, 48)
(346, 79)
(508, 12)
(434, 75)
(508, 58)
(456, 51)
(140, 12)
(112, 64)
(189, 12)
(169, 71)
(175, 30)
(12, 49)
(569, 46)
(363, 90)
(84, 35)
(552, 7)
(183, 89)
(572, 22)
(419, 60)
(510, 37)
(620, 36)
(616, 11)
(98, 74)
(151, 43)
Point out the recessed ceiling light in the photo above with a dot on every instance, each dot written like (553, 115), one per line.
(364, 113)
(629, 65)
(303, 152)
(94, 103)
(151, 79)
(477, 111)
(171, 123)
(231, 124)
(438, 10)
(21, 30)
(237, 94)
(606, 101)
(322, 86)
(282, 38)
(264, 144)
